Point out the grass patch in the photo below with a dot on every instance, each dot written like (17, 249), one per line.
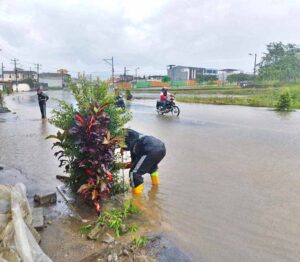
(115, 217)
(86, 229)
(133, 228)
(258, 97)
(140, 241)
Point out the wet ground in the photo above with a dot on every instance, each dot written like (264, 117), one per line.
(230, 183)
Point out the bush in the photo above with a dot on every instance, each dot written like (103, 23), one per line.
(91, 131)
(285, 101)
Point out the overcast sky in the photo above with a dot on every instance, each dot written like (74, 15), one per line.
(149, 34)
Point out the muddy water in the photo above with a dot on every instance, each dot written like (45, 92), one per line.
(230, 183)
(23, 144)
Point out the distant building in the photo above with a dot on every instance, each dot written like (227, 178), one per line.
(184, 73)
(155, 77)
(54, 79)
(224, 73)
(20, 74)
(123, 78)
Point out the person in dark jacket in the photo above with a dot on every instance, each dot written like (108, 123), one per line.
(43, 98)
(146, 152)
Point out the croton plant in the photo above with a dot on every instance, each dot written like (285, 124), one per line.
(91, 133)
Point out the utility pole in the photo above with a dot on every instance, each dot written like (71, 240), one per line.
(125, 72)
(2, 72)
(62, 78)
(15, 61)
(38, 67)
(110, 61)
(136, 69)
(254, 68)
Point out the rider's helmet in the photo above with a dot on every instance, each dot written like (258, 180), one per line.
(164, 90)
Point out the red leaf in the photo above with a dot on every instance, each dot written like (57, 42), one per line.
(109, 176)
(91, 122)
(100, 108)
(97, 206)
(89, 172)
(91, 182)
(79, 119)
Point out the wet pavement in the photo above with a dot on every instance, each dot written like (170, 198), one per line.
(230, 182)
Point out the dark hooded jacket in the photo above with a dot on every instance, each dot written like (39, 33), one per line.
(42, 98)
(139, 144)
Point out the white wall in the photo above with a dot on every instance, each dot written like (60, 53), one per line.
(21, 87)
(51, 81)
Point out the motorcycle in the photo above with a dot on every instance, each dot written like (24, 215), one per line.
(120, 102)
(168, 107)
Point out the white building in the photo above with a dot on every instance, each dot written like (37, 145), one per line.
(224, 73)
(19, 74)
(54, 80)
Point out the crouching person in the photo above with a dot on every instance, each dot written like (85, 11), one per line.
(146, 152)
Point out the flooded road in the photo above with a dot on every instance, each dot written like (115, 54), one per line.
(230, 183)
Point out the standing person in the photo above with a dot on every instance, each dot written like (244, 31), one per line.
(43, 98)
(146, 152)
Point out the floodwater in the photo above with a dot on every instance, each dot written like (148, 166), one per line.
(230, 182)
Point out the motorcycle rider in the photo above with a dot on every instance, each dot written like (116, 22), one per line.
(163, 97)
(146, 152)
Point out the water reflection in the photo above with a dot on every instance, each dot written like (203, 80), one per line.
(44, 127)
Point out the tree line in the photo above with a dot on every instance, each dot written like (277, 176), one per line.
(280, 62)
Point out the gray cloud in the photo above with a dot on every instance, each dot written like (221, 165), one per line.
(150, 34)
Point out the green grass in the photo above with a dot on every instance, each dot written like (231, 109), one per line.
(133, 228)
(115, 217)
(140, 241)
(86, 229)
(258, 97)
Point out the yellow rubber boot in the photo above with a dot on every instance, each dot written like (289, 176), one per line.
(155, 178)
(138, 189)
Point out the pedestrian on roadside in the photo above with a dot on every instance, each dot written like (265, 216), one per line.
(43, 98)
(146, 152)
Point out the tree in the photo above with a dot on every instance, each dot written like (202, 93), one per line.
(206, 78)
(239, 77)
(165, 79)
(281, 62)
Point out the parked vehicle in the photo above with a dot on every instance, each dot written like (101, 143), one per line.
(120, 102)
(169, 107)
(251, 84)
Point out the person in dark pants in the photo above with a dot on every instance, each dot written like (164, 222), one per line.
(43, 98)
(146, 152)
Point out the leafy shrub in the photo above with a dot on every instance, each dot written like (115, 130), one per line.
(285, 101)
(91, 131)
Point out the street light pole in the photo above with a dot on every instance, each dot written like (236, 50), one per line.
(136, 74)
(110, 61)
(254, 68)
